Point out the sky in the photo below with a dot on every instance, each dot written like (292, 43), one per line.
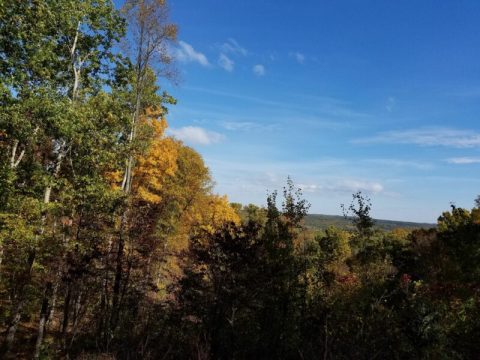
(381, 97)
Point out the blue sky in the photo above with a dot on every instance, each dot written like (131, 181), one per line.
(377, 96)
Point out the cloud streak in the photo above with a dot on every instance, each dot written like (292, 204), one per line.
(463, 160)
(196, 135)
(324, 105)
(248, 126)
(400, 163)
(446, 137)
(345, 186)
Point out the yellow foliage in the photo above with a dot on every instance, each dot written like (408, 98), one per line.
(207, 212)
(176, 176)
(213, 212)
(114, 178)
(159, 160)
(159, 152)
(152, 169)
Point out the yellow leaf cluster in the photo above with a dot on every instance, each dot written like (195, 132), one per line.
(159, 160)
(206, 213)
(210, 213)
(153, 168)
(114, 178)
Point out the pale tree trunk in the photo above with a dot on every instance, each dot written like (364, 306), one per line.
(12, 328)
(51, 313)
(43, 319)
(141, 63)
(58, 279)
(14, 161)
(76, 70)
(127, 182)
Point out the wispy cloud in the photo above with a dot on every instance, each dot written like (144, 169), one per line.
(400, 163)
(248, 126)
(196, 135)
(391, 102)
(463, 160)
(299, 57)
(345, 186)
(226, 63)
(447, 137)
(231, 46)
(320, 111)
(259, 70)
(186, 53)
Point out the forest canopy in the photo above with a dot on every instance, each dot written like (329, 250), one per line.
(113, 243)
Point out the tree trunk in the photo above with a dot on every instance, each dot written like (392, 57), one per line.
(66, 311)
(1, 258)
(44, 312)
(14, 162)
(51, 312)
(76, 317)
(17, 312)
(105, 299)
(118, 276)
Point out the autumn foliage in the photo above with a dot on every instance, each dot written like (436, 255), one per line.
(114, 244)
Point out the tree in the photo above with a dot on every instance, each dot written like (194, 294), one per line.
(359, 209)
(152, 34)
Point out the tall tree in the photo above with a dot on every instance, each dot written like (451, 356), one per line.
(151, 35)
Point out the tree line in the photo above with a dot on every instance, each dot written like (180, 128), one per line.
(114, 245)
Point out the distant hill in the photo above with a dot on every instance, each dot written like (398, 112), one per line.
(321, 222)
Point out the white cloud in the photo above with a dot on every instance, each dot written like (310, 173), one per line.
(186, 53)
(344, 186)
(391, 101)
(226, 63)
(299, 57)
(428, 137)
(233, 47)
(259, 70)
(464, 160)
(196, 135)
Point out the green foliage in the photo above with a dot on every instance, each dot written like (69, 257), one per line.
(168, 269)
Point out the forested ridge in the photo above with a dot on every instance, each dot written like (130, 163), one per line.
(113, 244)
(322, 222)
